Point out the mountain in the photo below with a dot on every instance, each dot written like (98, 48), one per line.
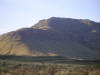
(75, 38)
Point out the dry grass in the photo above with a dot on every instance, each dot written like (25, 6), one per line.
(47, 69)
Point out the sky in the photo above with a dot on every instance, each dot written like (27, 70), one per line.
(15, 14)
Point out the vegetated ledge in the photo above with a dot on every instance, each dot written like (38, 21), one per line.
(48, 59)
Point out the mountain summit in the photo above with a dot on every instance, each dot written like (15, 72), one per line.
(75, 38)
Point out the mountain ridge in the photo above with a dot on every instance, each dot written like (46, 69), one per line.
(54, 36)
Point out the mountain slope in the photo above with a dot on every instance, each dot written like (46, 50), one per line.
(54, 36)
(84, 31)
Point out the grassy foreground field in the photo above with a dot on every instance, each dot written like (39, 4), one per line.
(23, 65)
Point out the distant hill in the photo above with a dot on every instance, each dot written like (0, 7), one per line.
(74, 38)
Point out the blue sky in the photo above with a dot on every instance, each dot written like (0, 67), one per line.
(15, 14)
